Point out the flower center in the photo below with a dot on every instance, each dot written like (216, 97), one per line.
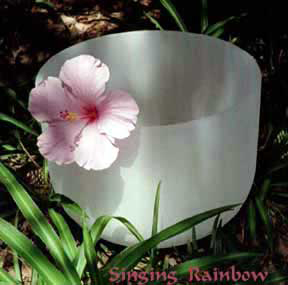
(68, 116)
(91, 114)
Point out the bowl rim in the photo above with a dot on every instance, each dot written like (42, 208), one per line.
(232, 108)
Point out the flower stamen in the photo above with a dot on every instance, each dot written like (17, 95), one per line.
(68, 116)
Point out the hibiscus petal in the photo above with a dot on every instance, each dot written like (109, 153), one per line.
(118, 114)
(95, 151)
(59, 141)
(48, 99)
(85, 76)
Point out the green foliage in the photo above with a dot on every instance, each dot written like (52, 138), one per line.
(129, 257)
(154, 21)
(274, 163)
(39, 223)
(18, 124)
(204, 15)
(209, 262)
(169, 6)
(216, 30)
(262, 210)
(6, 278)
(91, 257)
(45, 4)
(70, 259)
(32, 255)
(65, 235)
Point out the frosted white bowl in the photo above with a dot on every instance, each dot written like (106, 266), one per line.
(197, 132)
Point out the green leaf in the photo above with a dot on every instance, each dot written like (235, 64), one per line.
(34, 277)
(45, 170)
(15, 255)
(280, 194)
(6, 278)
(32, 255)
(96, 232)
(252, 220)
(168, 5)
(204, 15)
(91, 257)
(218, 28)
(268, 136)
(101, 222)
(12, 94)
(214, 232)
(194, 239)
(280, 184)
(156, 210)
(120, 256)
(18, 124)
(208, 262)
(262, 210)
(70, 207)
(45, 4)
(154, 21)
(276, 278)
(39, 223)
(277, 167)
(133, 254)
(8, 147)
(264, 189)
(155, 221)
(65, 234)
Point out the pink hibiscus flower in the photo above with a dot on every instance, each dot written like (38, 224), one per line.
(83, 119)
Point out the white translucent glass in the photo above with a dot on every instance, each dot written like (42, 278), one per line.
(197, 132)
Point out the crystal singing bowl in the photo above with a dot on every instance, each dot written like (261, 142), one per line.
(197, 131)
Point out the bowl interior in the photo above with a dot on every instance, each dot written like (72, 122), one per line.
(175, 77)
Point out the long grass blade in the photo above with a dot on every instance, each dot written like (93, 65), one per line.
(15, 255)
(45, 171)
(12, 94)
(156, 211)
(155, 221)
(276, 168)
(131, 257)
(34, 277)
(96, 232)
(69, 206)
(262, 210)
(204, 15)
(18, 124)
(280, 194)
(214, 232)
(91, 257)
(280, 184)
(207, 262)
(65, 234)
(154, 21)
(218, 28)
(8, 147)
(265, 189)
(276, 278)
(6, 278)
(169, 6)
(194, 239)
(45, 4)
(39, 223)
(219, 246)
(32, 255)
(252, 220)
